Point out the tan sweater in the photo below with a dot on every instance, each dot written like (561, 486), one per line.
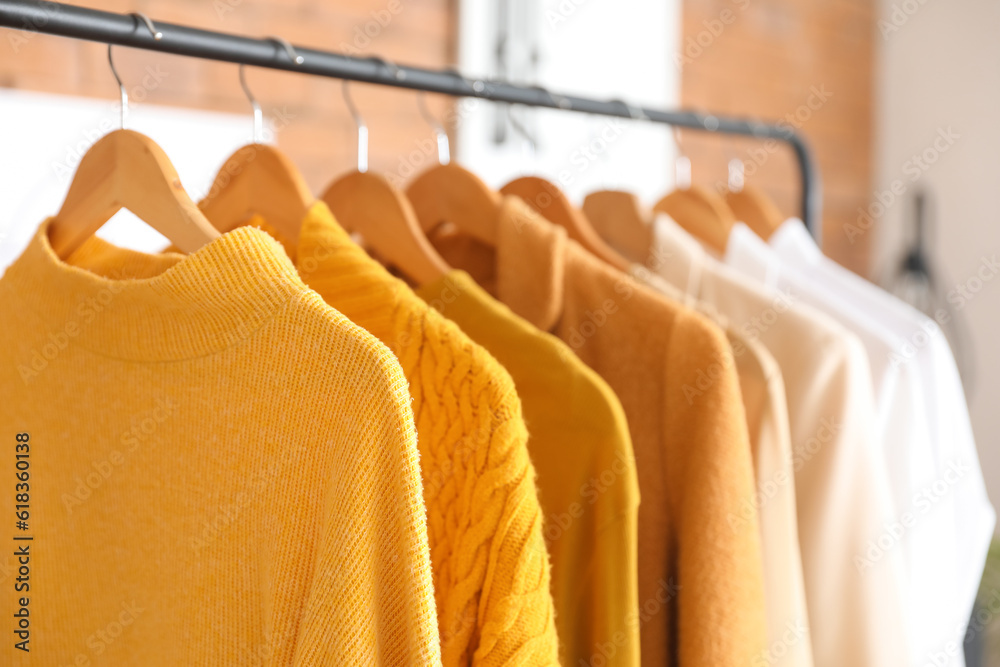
(762, 389)
(700, 580)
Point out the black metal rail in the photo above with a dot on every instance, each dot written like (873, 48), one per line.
(129, 30)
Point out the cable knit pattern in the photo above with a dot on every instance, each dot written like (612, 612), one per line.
(489, 559)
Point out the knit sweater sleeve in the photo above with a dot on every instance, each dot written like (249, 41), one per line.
(517, 617)
(377, 607)
(491, 565)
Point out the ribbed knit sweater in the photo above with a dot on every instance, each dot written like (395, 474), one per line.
(489, 559)
(222, 469)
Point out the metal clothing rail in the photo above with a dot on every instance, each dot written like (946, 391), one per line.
(130, 30)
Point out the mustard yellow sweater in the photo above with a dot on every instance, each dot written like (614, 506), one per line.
(580, 445)
(489, 559)
(218, 469)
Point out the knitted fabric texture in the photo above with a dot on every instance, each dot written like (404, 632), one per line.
(223, 469)
(701, 599)
(580, 445)
(490, 563)
(491, 567)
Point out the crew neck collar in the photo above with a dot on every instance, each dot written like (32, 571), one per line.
(199, 304)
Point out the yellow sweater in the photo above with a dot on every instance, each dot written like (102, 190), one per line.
(221, 469)
(490, 564)
(581, 448)
(701, 599)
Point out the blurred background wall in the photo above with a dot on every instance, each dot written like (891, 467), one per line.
(937, 132)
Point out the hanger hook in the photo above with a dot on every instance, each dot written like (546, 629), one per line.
(634, 113)
(682, 164)
(444, 148)
(289, 49)
(397, 72)
(258, 115)
(359, 122)
(121, 87)
(157, 35)
(523, 131)
(561, 101)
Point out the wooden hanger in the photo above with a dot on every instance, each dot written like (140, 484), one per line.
(546, 198)
(753, 207)
(372, 206)
(621, 220)
(448, 193)
(702, 213)
(125, 169)
(749, 204)
(618, 217)
(258, 180)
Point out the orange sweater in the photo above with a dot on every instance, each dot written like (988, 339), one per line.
(221, 468)
(700, 579)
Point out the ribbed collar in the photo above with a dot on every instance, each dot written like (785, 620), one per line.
(530, 264)
(197, 305)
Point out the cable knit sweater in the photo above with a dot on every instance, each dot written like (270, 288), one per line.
(489, 558)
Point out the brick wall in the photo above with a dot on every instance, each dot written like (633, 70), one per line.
(770, 59)
(318, 133)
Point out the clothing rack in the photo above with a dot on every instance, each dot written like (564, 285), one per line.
(132, 30)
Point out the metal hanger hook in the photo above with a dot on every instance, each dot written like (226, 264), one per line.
(561, 101)
(634, 113)
(157, 35)
(682, 164)
(444, 148)
(520, 128)
(359, 122)
(258, 115)
(398, 73)
(289, 49)
(121, 87)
